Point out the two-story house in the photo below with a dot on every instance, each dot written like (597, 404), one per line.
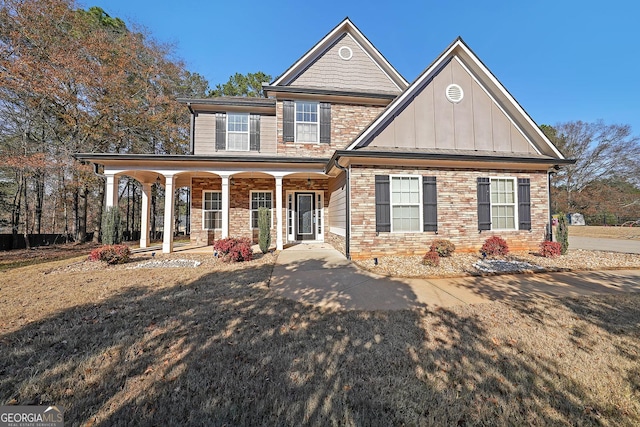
(343, 149)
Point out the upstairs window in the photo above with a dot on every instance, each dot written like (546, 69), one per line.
(307, 124)
(237, 132)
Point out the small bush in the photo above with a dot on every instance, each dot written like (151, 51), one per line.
(550, 249)
(233, 249)
(264, 225)
(111, 254)
(494, 246)
(431, 259)
(562, 233)
(443, 247)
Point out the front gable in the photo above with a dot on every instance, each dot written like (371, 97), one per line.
(344, 60)
(456, 104)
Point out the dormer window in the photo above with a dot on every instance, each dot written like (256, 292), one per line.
(237, 131)
(307, 127)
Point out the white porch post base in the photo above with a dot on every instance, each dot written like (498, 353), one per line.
(145, 214)
(279, 242)
(169, 199)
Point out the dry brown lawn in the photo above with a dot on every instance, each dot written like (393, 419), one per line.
(632, 233)
(214, 346)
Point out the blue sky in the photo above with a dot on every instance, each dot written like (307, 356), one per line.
(562, 60)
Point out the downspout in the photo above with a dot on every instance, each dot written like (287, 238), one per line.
(347, 233)
(550, 172)
(192, 130)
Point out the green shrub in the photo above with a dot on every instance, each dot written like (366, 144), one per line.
(264, 229)
(562, 233)
(443, 247)
(111, 229)
(494, 246)
(111, 254)
(550, 249)
(233, 249)
(431, 259)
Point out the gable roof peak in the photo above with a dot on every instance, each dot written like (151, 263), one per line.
(346, 26)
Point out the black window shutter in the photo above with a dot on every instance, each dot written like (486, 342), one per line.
(254, 132)
(383, 203)
(524, 204)
(288, 114)
(325, 122)
(221, 131)
(429, 203)
(484, 204)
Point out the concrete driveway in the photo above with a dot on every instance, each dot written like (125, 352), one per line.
(322, 276)
(610, 245)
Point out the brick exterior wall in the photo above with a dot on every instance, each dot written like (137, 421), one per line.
(347, 121)
(239, 212)
(457, 213)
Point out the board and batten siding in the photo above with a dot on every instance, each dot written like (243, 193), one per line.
(205, 136)
(432, 121)
(338, 205)
(360, 73)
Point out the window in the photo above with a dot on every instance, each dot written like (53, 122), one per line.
(405, 203)
(212, 210)
(503, 204)
(238, 131)
(306, 121)
(260, 199)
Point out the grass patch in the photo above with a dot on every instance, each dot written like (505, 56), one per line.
(631, 233)
(214, 346)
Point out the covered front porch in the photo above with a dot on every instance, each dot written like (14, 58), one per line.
(226, 195)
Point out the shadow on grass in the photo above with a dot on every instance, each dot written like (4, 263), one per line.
(225, 350)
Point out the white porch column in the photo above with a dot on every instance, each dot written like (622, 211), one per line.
(169, 199)
(225, 206)
(279, 243)
(111, 192)
(144, 215)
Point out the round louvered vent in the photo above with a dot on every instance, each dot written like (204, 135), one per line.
(345, 53)
(454, 93)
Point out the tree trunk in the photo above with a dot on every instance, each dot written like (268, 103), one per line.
(26, 213)
(82, 214)
(98, 222)
(39, 184)
(15, 212)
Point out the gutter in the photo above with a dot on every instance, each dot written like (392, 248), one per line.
(443, 156)
(347, 230)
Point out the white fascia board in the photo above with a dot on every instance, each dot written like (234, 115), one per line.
(313, 53)
(348, 27)
(507, 95)
(427, 74)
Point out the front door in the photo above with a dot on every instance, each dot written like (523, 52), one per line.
(305, 216)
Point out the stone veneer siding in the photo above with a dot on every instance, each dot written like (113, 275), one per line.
(347, 121)
(457, 213)
(239, 212)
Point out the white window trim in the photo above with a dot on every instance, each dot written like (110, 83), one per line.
(210, 210)
(250, 207)
(295, 122)
(391, 205)
(248, 132)
(515, 202)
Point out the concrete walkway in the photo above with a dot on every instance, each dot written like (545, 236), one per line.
(600, 244)
(318, 274)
